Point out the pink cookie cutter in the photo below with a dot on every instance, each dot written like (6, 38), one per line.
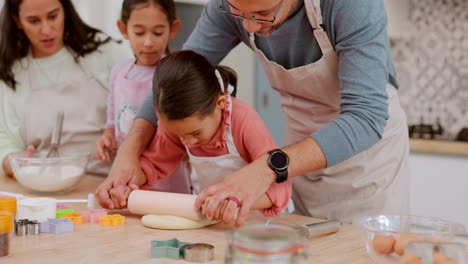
(92, 216)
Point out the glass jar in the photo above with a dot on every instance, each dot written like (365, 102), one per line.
(262, 243)
(8, 204)
(6, 228)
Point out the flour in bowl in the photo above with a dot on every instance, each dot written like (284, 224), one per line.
(49, 178)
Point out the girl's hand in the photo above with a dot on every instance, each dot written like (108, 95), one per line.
(125, 172)
(106, 145)
(119, 192)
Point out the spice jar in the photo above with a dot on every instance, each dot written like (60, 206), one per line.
(8, 204)
(6, 228)
(262, 243)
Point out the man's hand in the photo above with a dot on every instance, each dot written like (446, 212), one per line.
(126, 170)
(247, 185)
(125, 173)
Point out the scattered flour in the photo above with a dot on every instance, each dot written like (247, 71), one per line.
(49, 178)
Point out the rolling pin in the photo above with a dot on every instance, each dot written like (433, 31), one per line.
(163, 203)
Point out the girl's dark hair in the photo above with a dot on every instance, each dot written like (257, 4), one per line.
(14, 44)
(185, 83)
(168, 7)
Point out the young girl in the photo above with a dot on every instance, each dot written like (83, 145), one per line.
(148, 25)
(198, 117)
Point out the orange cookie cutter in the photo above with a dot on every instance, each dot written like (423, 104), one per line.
(112, 220)
(77, 219)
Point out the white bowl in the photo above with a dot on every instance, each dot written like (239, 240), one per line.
(43, 175)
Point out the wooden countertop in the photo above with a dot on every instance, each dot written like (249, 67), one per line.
(439, 146)
(92, 243)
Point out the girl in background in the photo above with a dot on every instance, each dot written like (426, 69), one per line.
(199, 117)
(148, 25)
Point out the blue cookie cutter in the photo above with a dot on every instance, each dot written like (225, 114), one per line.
(56, 226)
(172, 248)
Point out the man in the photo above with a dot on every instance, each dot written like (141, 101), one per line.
(346, 134)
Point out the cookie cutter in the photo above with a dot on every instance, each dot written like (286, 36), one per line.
(62, 206)
(92, 216)
(33, 228)
(172, 248)
(24, 227)
(60, 212)
(77, 219)
(56, 226)
(112, 220)
(199, 252)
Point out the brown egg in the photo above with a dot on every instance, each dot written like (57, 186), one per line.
(410, 259)
(440, 258)
(401, 243)
(383, 244)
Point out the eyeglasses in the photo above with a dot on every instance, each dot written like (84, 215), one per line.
(225, 8)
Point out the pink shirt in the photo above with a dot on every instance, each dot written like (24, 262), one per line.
(251, 138)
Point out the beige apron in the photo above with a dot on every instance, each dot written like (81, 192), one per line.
(83, 100)
(207, 171)
(373, 181)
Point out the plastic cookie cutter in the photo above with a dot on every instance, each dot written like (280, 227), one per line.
(77, 219)
(92, 216)
(56, 226)
(62, 206)
(199, 252)
(60, 212)
(112, 220)
(172, 248)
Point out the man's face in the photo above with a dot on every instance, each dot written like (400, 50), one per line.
(261, 9)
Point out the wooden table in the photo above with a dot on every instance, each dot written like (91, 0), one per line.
(92, 243)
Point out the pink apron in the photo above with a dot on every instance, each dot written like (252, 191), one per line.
(373, 181)
(128, 97)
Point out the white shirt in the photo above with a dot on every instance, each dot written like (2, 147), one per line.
(57, 67)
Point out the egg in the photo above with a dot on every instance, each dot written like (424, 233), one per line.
(440, 258)
(401, 243)
(410, 259)
(383, 244)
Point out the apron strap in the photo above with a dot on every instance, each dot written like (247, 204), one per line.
(314, 14)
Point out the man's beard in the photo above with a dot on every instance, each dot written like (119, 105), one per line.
(264, 32)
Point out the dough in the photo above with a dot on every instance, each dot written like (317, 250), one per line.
(173, 222)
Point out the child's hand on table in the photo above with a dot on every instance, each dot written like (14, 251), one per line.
(116, 193)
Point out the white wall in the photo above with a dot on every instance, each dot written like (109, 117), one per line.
(439, 186)
(103, 14)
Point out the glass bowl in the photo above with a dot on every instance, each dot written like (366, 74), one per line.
(387, 235)
(45, 175)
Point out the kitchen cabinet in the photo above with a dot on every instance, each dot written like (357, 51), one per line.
(438, 186)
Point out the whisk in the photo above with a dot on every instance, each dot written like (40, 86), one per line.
(56, 136)
(318, 229)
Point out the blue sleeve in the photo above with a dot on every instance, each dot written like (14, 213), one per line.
(147, 112)
(214, 36)
(359, 31)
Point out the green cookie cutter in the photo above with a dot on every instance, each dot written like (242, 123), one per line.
(60, 212)
(172, 248)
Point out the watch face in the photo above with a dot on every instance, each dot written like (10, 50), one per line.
(279, 160)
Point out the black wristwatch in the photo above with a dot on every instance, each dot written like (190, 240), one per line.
(278, 161)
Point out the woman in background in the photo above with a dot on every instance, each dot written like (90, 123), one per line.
(50, 61)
